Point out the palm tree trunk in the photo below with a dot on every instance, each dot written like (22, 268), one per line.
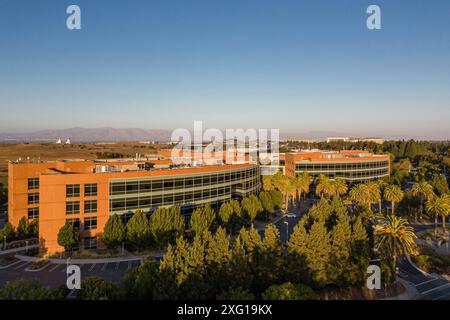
(435, 223)
(421, 209)
(443, 224)
(379, 206)
(393, 204)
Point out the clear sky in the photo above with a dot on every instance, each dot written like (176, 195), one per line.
(295, 65)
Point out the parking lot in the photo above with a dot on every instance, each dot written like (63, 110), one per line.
(54, 275)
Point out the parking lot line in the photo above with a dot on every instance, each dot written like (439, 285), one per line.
(64, 269)
(25, 264)
(54, 268)
(104, 267)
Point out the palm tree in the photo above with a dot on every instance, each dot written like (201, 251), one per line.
(438, 206)
(324, 186)
(393, 194)
(340, 187)
(359, 194)
(302, 183)
(282, 184)
(446, 201)
(374, 193)
(395, 236)
(267, 180)
(424, 191)
(381, 185)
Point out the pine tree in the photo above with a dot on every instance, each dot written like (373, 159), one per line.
(225, 214)
(269, 259)
(138, 230)
(295, 269)
(114, 232)
(360, 253)
(340, 244)
(202, 219)
(166, 225)
(318, 253)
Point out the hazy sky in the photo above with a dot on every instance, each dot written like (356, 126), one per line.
(295, 65)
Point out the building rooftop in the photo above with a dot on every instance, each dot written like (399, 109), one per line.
(330, 156)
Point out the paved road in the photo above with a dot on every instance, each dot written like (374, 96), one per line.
(429, 287)
(54, 275)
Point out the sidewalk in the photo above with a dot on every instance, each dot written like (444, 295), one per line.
(159, 254)
(3, 252)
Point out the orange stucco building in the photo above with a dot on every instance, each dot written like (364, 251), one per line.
(86, 192)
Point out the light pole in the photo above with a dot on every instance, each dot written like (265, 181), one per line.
(4, 242)
(123, 248)
(26, 245)
(287, 230)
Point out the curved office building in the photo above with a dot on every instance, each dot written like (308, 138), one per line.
(349, 165)
(86, 193)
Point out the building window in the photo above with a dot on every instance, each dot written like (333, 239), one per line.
(90, 243)
(33, 183)
(90, 206)
(33, 198)
(90, 190)
(72, 207)
(74, 222)
(72, 190)
(33, 213)
(90, 223)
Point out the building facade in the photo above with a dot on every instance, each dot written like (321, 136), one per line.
(86, 193)
(352, 166)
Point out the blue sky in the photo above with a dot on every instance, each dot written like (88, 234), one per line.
(294, 65)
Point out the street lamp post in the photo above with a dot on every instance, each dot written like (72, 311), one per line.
(287, 229)
(123, 248)
(4, 242)
(26, 245)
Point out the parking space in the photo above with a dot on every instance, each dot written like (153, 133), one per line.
(88, 268)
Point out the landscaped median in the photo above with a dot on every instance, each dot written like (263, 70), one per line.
(40, 263)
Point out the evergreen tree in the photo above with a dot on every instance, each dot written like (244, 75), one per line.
(269, 259)
(225, 215)
(202, 219)
(138, 230)
(251, 206)
(340, 245)
(166, 225)
(114, 232)
(296, 268)
(360, 253)
(318, 253)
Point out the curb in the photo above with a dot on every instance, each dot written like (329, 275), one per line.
(40, 269)
(87, 261)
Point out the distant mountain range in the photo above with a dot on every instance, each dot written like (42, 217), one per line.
(109, 134)
(88, 135)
